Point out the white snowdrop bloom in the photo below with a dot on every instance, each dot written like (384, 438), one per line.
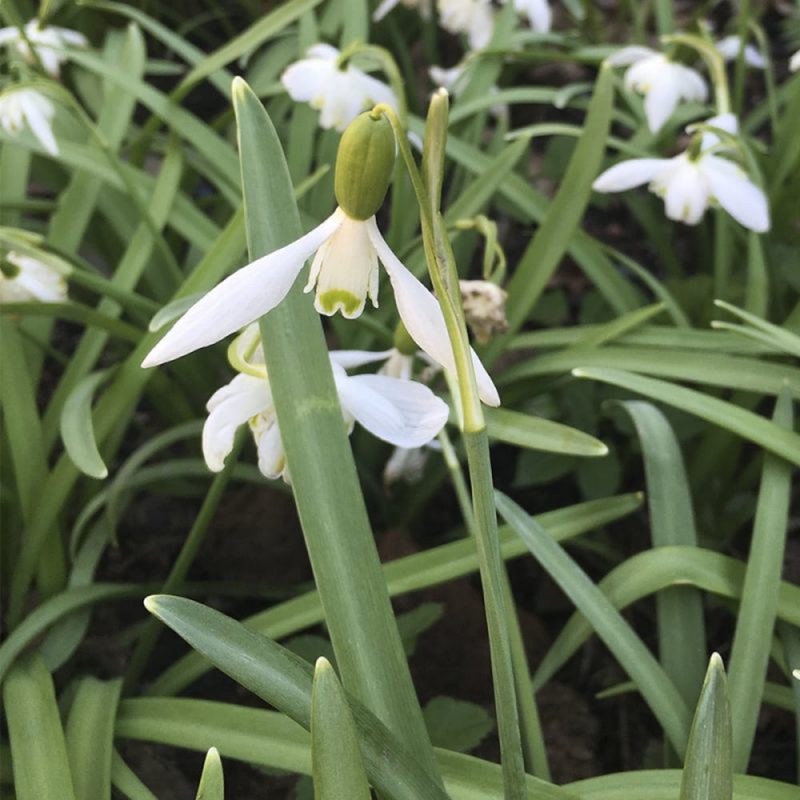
(401, 412)
(729, 46)
(48, 42)
(471, 17)
(794, 62)
(24, 279)
(537, 12)
(664, 83)
(689, 182)
(26, 106)
(423, 6)
(340, 94)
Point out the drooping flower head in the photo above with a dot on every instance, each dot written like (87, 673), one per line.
(48, 43)
(663, 82)
(695, 179)
(339, 93)
(348, 247)
(474, 18)
(399, 411)
(25, 106)
(729, 46)
(538, 13)
(24, 278)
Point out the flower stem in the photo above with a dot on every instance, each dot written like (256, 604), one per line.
(715, 63)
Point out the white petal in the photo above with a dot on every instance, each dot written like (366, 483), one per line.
(660, 100)
(383, 9)
(8, 35)
(538, 13)
(271, 455)
(305, 80)
(404, 413)
(229, 407)
(350, 359)
(73, 38)
(326, 52)
(630, 55)
(734, 191)
(423, 319)
(686, 197)
(794, 62)
(241, 298)
(37, 280)
(627, 174)
(36, 114)
(692, 85)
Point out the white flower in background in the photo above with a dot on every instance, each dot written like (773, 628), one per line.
(401, 412)
(729, 46)
(24, 278)
(340, 94)
(794, 62)
(537, 12)
(344, 270)
(471, 17)
(26, 106)
(689, 182)
(664, 83)
(47, 41)
(425, 7)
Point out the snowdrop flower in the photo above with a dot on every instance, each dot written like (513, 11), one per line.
(48, 43)
(794, 62)
(23, 279)
(401, 412)
(424, 6)
(344, 271)
(538, 13)
(690, 182)
(471, 17)
(340, 94)
(729, 46)
(664, 83)
(29, 107)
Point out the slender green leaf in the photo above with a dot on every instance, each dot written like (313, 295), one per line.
(77, 431)
(654, 685)
(90, 737)
(336, 763)
(756, 618)
(38, 749)
(212, 782)
(780, 337)
(536, 433)
(127, 782)
(718, 412)
(708, 767)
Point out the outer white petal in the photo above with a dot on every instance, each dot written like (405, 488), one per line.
(481, 26)
(538, 13)
(38, 110)
(630, 55)
(228, 408)
(241, 298)
(627, 174)
(661, 99)
(734, 191)
(8, 35)
(692, 85)
(383, 9)
(36, 280)
(326, 52)
(350, 359)
(71, 37)
(729, 49)
(423, 319)
(306, 81)
(403, 413)
(794, 62)
(687, 195)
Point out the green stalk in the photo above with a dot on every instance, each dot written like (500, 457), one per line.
(340, 544)
(444, 276)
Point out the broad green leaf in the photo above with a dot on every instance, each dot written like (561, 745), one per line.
(77, 431)
(90, 737)
(718, 412)
(38, 750)
(456, 724)
(755, 621)
(672, 523)
(536, 433)
(653, 684)
(407, 574)
(336, 764)
(708, 767)
(369, 652)
(212, 782)
(282, 679)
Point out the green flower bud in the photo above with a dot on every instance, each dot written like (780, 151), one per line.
(364, 165)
